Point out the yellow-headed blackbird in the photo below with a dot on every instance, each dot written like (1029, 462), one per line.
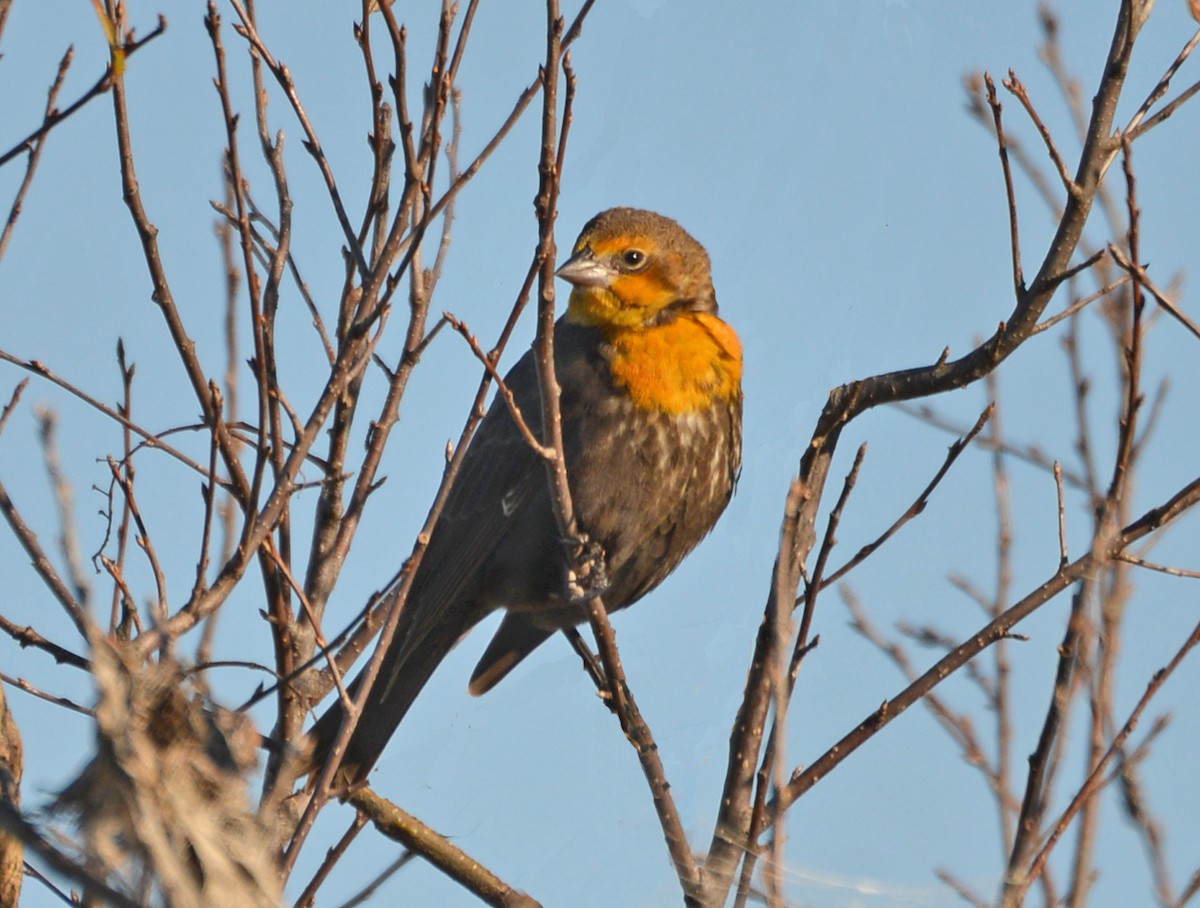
(651, 407)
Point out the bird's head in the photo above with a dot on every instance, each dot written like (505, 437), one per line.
(632, 268)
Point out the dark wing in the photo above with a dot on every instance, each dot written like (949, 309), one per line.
(499, 475)
(587, 403)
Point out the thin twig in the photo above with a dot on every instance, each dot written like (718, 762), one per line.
(1095, 777)
(41, 563)
(13, 400)
(736, 817)
(26, 636)
(68, 536)
(957, 726)
(501, 387)
(143, 539)
(1080, 304)
(918, 505)
(961, 889)
(1062, 515)
(1135, 127)
(1152, 520)
(1029, 454)
(1161, 568)
(101, 85)
(35, 153)
(1042, 764)
(1014, 85)
(312, 144)
(406, 829)
(1138, 273)
(332, 856)
(37, 367)
(1002, 147)
(22, 684)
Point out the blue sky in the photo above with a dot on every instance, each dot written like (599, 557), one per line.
(856, 219)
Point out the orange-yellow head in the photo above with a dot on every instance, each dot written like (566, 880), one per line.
(645, 284)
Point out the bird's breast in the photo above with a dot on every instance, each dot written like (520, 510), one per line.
(684, 365)
(649, 484)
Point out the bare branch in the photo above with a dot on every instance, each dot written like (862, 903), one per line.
(501, 388)
(1002, 146)
(1014, 85)
(1138, 273)
(1095, 777)
(452, 861)
(995, 630)
(101, 85)
(917, 506)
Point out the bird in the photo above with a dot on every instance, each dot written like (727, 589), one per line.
(651, 404)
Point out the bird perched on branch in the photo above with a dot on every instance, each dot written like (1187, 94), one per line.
(651, 404)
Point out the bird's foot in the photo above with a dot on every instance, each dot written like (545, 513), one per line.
(587, 578)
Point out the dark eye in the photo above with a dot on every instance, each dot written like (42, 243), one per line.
(633, 259)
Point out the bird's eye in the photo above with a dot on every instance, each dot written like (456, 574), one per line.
(634, 259)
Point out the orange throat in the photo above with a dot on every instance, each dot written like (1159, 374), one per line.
(686, 364)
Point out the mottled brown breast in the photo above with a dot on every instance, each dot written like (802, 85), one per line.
(647, 485)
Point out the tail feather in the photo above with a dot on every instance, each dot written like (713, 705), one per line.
(407, 666)
(515, 639)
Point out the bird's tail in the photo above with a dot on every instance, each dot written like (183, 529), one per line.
(411, 658)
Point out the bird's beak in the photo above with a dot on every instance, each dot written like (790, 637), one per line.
(583, 270)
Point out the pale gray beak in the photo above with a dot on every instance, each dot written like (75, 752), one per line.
(583, 270)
